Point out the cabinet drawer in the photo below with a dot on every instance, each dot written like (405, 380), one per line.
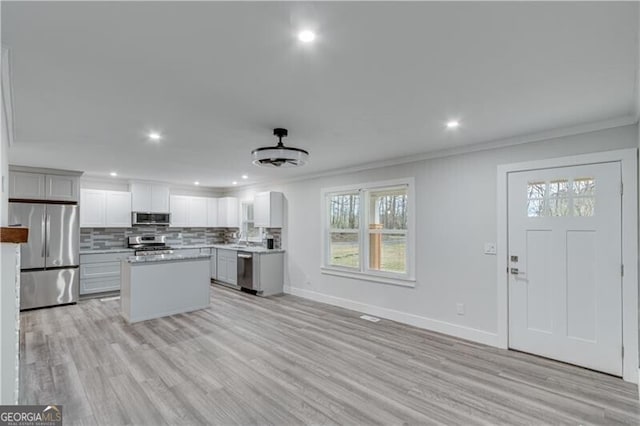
(104, 257)
(99, 285)
(99, 270)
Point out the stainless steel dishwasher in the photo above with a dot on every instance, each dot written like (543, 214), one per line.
(245, 270)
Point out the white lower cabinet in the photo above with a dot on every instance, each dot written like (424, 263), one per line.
(214, 264)
(227, 266)
(268, 273)
(100, 273)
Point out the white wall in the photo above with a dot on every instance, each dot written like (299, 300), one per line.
(4, 174)
(455, 216)
(4, 138)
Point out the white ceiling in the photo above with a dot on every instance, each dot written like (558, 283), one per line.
(380, 82)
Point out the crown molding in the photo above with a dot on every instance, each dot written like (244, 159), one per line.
(460, 150)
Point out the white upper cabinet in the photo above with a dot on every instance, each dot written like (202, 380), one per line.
(179, 208)
(198, 212)
(212, 212)
(40, 186)
(228, 213)
(118, 207)
(159, 198)
(93, 208)
(268, 208)
(105, 209)
(61, 188)
(147, 197)
(190, 212)
(26, 185)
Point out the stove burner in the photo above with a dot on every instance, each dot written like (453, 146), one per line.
(148, 245)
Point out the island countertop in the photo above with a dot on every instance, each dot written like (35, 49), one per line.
(166, 257)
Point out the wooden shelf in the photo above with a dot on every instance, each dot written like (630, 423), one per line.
(14, 235)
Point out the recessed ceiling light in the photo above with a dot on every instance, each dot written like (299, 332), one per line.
(154, 136)
(114, 174)
(196, 183)
(234, 183)
(306, 36)
(452, 124)
(245, 177)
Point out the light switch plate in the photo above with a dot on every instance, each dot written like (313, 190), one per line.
(490, 248)
(460, 308)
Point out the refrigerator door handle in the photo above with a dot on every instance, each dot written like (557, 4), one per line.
(48, 237)
(42, 231)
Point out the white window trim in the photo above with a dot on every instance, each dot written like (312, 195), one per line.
(257, 239)
(406, 280)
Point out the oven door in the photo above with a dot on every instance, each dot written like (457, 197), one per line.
(144, 218)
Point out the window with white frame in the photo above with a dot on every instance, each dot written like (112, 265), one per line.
(368, 230)
(249, 232)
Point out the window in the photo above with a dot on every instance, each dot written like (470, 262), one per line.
(368, 231)
(249, 232)
(344, 230)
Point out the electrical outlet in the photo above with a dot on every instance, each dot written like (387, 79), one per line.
(460, 308)
(490, 248)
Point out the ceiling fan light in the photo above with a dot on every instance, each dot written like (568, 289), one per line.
(279, 156)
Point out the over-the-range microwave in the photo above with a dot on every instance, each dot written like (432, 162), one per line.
(145, 218)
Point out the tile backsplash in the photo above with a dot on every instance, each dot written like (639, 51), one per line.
(103, 238)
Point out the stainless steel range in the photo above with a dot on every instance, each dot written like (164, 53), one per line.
(147, 245)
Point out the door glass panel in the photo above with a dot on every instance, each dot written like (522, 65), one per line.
(559, 207)
(584, 206)
(536, 192)
(584, 186)
(584, 190)
(559, 198)
(559, 188)
(535, 207)
(562, 197)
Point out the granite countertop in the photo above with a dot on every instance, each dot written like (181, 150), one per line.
(106, 250)
(250, 249)
(236, 247)
(165, 258)
(192, 246)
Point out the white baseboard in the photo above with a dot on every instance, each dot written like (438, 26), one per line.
(468, 333)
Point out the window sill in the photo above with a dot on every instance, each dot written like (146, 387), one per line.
(408, 282)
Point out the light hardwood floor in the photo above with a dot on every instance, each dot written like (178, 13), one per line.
(288, 361)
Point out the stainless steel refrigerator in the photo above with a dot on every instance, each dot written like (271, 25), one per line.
(50, 259)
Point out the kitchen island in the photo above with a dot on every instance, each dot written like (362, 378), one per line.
(163, 285)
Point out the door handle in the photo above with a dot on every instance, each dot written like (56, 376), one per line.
(48, 234)
(43, 234)
(516, 271)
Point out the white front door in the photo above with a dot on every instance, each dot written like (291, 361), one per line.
(565, 257)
